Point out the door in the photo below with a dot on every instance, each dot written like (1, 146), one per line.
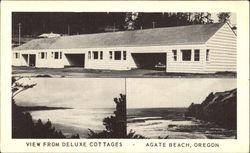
(155, 61)
(32, 60)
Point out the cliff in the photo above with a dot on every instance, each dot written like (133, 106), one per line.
(219, 108)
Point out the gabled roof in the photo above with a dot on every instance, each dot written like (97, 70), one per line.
(181, 35)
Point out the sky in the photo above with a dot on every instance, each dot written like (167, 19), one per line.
(100, 92)
(173, 92)
(72, 92)
(233, 20)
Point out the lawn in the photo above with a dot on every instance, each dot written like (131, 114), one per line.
(135, 73)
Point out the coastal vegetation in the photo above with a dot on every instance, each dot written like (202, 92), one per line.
(116, 125)
(23, 125)
(219, 108)
(216, 116)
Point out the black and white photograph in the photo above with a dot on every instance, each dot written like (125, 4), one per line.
(54, 48)
(68, 108)
(124, 44)
(98, 108)
(116, 76)
(182, 108)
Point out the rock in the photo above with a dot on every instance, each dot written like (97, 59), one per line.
(218, 108)
(193, 110)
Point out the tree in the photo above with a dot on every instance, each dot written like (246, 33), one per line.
(116, 125)
(201, 18)
(22, 122)
(157, 20)
(19, 87)
(130, 20)
(224, 17)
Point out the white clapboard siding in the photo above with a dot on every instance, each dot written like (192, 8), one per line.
(174, 66)
(21, 60)
(222, 50)
(17, 61)
(50, 61)
(106, 62)
(186, 66)
(222, 55)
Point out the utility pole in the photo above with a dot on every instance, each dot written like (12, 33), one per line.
(19, 34)
(43, 27)
(68, 29)
(114, 27)
(153, 24)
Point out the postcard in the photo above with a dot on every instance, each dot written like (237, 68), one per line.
(124, 76)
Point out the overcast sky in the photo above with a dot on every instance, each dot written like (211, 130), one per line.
(146, 93)
(232, 18)
(141, 92)
(72, 92)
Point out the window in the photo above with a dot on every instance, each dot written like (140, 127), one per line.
(186, 55)
(43, 55)
(196, 55)
(56, 55)
(207, 55)
(101, 55)
(117, 55)
(124, 55)
(110, 55)
(174, 55)
(89, 55)
(17, 55)
(95, 54)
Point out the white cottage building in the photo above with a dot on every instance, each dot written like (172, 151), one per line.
(205, 48)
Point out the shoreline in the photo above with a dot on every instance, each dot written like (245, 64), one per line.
(40, 108)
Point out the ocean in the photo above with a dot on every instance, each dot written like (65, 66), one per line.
(154, 122)
(76, 120)
(148, 122)
(90, 104)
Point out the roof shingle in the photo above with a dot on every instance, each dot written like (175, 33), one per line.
(181, 35)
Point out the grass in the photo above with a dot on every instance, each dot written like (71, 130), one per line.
(135, 73)
(197, 75)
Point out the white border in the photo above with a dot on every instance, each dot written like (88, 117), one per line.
(239, 7)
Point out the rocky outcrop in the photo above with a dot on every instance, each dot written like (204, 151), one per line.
(194, 110)
(219, 108)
